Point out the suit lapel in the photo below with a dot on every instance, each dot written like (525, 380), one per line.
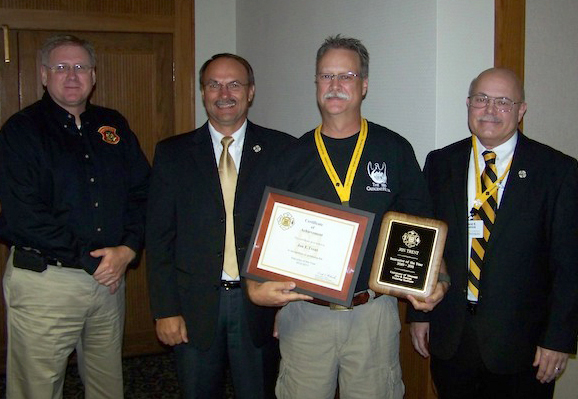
(204, 164)
(517, 188)
(252, 151)
(459, 173)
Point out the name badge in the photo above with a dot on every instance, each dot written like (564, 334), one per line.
(475, 228)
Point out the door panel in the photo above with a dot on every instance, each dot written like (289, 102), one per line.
(9, 103)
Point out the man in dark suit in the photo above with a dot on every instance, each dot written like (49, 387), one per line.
(196, 242)
(510, 318)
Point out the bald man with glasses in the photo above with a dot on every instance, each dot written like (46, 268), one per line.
(510, 318)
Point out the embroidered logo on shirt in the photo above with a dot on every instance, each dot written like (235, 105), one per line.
(109, 135)
(378, 175)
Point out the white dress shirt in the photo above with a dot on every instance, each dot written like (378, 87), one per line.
(236, 151)
(504, 153)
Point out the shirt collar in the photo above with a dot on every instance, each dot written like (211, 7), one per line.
(60, 113)
(238, 136)
(503, 151)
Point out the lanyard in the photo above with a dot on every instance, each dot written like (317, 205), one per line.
(482, 197)
(343, 190)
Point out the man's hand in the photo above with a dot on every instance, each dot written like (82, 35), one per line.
(436, 297)
(431, 301)
(273, 293)
(550, 364)
(172, 330)
(113, 265)
(420, 337)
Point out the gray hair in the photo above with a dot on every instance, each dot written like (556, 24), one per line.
(66, 40)
(346, 43)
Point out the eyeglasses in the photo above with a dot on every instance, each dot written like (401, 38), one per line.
(502, 104)
(65, 68)
(347, 77)
(231, 86)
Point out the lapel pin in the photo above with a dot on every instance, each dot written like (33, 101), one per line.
(257, 148)
(522, 174)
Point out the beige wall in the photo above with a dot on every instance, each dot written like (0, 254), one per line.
(423, 56)
(552, 95)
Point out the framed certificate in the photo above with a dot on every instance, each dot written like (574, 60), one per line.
(317, 244)
(408, 255)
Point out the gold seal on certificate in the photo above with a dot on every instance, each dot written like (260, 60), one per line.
(408, 255)
(317, 244)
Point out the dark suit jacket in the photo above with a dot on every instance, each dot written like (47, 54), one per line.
(186, 227)
(529, 282)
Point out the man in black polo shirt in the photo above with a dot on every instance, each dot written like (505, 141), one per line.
(73, 183)
(357, 163)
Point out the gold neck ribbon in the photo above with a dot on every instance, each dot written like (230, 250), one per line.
(482, 197)
(343, 190)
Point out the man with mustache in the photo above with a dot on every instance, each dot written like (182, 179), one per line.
(510, 318)
(206, 188)
(321, 344)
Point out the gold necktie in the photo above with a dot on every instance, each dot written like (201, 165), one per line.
(486, 213)
(228, 176)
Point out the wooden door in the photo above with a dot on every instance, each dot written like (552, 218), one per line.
(134, 76)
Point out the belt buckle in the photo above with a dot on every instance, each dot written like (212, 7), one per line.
(230, 285)
(340, 308)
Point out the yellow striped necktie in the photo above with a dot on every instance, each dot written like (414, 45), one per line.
(228, 177)
(486, 213)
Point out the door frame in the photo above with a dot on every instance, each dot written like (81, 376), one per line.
(181, 26)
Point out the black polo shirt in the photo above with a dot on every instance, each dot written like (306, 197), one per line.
(388, 178)
(66, 191)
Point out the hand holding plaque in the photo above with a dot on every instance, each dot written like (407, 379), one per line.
(408, 255)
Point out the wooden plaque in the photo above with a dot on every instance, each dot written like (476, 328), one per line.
(408, 255)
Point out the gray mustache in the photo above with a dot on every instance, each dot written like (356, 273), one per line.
(336, 94)
(489, 118)
(230, 101)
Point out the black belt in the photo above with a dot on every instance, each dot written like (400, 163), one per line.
(56, 262)
(472, 307)
(229, 285)
(30, 259)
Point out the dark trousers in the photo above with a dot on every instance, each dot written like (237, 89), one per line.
(466, 376)
(254, 370)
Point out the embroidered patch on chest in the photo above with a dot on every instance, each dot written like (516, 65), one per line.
(378, 175)
(109, 135)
